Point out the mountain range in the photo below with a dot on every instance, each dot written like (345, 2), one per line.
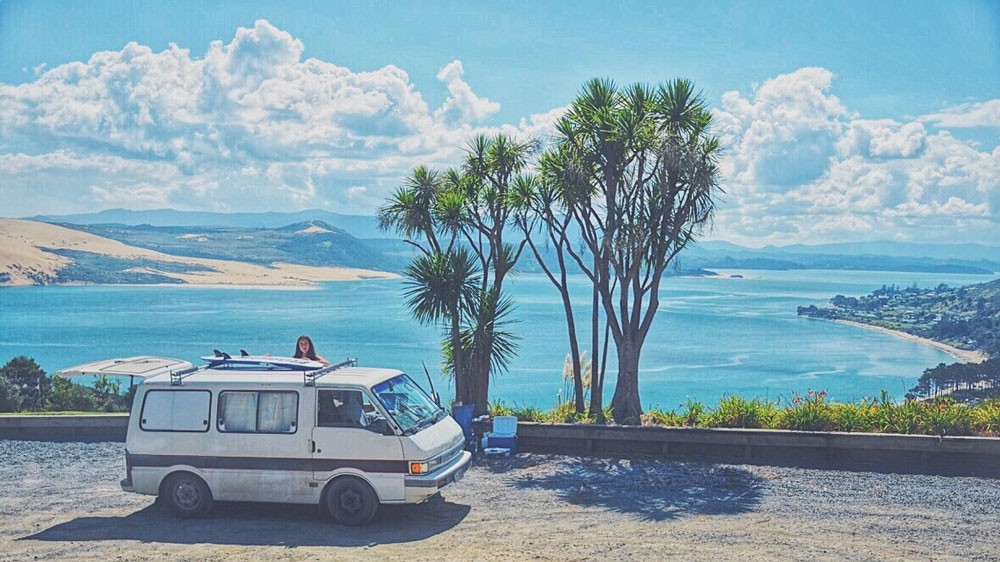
(360, 226)
(324, 239)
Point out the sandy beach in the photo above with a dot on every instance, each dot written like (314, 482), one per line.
(962, 355)
(25, 256)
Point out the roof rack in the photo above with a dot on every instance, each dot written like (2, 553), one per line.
(309, 377)
(176, 378)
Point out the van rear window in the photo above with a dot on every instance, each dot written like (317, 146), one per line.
(258, 412)
(176, 410)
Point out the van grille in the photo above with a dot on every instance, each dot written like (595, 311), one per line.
(449, 455)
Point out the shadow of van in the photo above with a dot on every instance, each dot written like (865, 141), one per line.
(262, 524)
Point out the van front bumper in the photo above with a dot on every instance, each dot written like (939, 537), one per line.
(126, 485)
(419, 488)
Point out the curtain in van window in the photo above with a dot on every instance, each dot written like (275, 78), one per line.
(238, 411)
(277, 412)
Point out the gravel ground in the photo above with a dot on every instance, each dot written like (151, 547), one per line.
(61, 501)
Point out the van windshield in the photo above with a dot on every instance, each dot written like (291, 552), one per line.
(407, 403)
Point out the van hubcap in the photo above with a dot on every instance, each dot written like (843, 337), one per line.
(350, 501)
(186, 495)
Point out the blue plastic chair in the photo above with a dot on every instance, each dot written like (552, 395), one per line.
(463, 415)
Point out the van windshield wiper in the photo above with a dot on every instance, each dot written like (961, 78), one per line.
(429, 421)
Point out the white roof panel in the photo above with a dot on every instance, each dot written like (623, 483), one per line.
(143, 366)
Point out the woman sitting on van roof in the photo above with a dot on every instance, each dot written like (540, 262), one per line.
(304, 350)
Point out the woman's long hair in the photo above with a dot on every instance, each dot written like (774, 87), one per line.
(309, 354)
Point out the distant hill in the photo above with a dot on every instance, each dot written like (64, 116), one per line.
(38, 253)
(359, 226)
(313, 243)
(711, 256)
(975, 259)
(965, 252)
(386, 250)
(965, 317)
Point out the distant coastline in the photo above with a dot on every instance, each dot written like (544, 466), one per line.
(962, 355)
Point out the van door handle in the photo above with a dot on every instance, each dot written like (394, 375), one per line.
(312, 445)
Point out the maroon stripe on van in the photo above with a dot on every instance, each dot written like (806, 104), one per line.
(265, 463)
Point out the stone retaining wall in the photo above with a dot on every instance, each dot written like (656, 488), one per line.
(852, 451)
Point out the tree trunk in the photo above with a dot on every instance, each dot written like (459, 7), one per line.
(478, 366)
(578, 392)
(597, 375)
(625, 406)
(458, 356)
(478, 387)
(574, 350)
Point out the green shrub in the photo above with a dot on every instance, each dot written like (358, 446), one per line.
(529, 414)
(811, 412)
(734, 411)
(30, 380)
(10, 396)
(694, 413)
(564, 413)
(498, 408)
(659, 417)
(945, 417)
(70, 397)
(986, 416)
(897, 418)
(858, 418)
(807, 413)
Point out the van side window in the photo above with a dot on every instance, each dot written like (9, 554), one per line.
(176, 410)
(258, 412)
(343, 408)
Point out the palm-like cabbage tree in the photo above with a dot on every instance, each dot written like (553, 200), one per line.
(637, 170)
(442, 288)
(457, 219)
(409, 210)
(546, 227)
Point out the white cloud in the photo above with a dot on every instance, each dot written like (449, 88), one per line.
(250, 126)
(801, 167)
(462, 105)
(785, 135)
(883, 139)
(985, 114)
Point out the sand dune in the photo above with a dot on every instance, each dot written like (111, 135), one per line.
(23, 257)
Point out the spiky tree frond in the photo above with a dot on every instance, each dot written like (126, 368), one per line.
(441, 285)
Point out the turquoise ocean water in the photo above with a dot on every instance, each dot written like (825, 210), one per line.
(712, 336)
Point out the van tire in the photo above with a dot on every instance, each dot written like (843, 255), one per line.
(351, 501)
(186, 495)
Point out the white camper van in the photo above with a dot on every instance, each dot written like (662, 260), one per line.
(270, 429)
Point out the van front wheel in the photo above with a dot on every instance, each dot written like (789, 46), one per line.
(187, 496)
(351, 501)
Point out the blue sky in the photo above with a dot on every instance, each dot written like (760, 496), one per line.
(842, 120)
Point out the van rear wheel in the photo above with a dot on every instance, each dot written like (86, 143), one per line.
(351, 501)
(187, 496)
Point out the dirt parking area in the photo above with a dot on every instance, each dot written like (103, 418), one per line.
(61, 501)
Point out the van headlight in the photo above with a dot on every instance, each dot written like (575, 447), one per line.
(430, 465)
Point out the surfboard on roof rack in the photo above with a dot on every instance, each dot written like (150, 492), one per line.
(261, 361)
